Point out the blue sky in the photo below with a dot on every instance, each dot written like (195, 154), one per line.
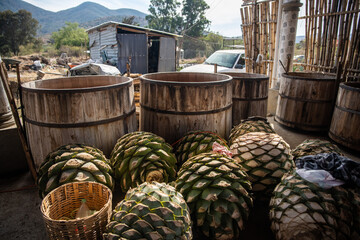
(223, 14)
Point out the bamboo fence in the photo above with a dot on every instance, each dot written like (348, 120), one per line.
(259, 32)
(331, 29)
(333, 37)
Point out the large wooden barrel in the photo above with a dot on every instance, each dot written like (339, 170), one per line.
(345, 124)
(174, 103)
(306, 100)
(250, 95)
(94, 110)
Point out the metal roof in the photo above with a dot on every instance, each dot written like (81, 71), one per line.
(148, 30)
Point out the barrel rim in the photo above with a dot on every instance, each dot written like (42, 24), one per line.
(256, 76)
(297, 76)
(347, 86)
(26, 88)
(161, 82)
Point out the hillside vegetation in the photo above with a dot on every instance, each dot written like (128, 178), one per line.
(86, 14)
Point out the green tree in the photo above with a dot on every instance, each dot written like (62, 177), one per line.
(193, 47)
(70, 35)
(16, 29)
(214, 42)
(163, 15)
(193, 13)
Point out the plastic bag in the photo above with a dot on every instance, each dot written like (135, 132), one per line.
(37, 63)
(340, 167)
(320, 177)
(216, 147)
(84, 210)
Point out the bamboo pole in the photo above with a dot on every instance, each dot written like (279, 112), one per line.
(266, 43)
(334, 37)
(311, 36)
(244, 31)
(307, 34)
(272, 40)
(314, 30)
(341, 36)
(348, 53)
(247, 40)
(262, 37)
(255, 30)
(318, 45)
(355, 61)
(349, 18)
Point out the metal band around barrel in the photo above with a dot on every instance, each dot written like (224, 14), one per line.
(344, 141)
(350, 88)
(250, 99)
(79, 125)
(186, 113)
(301, 124)
(305, 100)
(347, 110)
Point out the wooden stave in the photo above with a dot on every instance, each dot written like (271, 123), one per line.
(344, 128)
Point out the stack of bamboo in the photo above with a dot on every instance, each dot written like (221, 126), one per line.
(259, 28)
(333, 37)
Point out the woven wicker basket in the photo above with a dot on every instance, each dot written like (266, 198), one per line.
(64, 200)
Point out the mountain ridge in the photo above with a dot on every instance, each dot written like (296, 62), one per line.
(85, 14)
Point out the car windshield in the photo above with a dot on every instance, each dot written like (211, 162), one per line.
(222, 59)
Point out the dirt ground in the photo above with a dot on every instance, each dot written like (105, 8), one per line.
(52, 67)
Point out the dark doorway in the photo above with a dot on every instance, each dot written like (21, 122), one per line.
(154, 47)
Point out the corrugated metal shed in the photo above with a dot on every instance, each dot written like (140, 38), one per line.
(103, 39)
(134, 45)
(142, 29)
(150, 50)
(94, 43)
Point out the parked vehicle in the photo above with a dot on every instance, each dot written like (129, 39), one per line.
(225, 60)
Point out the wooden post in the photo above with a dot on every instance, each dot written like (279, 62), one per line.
(20, 97)
(17, 121)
